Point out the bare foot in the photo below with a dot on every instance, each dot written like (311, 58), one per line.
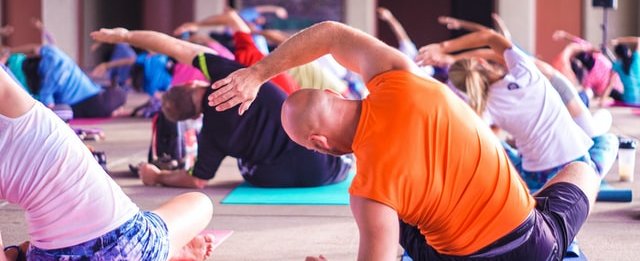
(148, 173)
(199, 249)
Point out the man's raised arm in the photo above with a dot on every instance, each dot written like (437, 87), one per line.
(180, 50)
(352, 48)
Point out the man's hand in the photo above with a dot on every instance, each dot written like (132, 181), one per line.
(149, 173)
(186, 27)
(240, 87)
(115, 35)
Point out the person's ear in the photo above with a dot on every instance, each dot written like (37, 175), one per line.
(319, 141)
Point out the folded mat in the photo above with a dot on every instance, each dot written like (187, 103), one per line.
(335, 194)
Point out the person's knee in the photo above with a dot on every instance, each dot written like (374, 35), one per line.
(202, 202)
(582, 175)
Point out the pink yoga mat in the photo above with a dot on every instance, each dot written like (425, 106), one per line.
(220, 236)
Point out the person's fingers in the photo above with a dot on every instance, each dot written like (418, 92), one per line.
(221, 82)
(244, 107)
(222, 95)
(229, 104)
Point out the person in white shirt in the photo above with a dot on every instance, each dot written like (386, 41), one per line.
(521, 100)
(74, 210)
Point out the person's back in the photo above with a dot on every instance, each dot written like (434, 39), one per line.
(435, 170)
(39, 147)
(62, 81)
(525, 105)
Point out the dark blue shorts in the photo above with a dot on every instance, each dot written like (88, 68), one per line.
(560, 211)
(143, 237)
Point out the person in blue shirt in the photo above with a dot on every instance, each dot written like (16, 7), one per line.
(627, 65)
(59, 80)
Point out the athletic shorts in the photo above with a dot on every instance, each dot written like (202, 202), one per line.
(560, 211)
(143, 237)
(100, 105)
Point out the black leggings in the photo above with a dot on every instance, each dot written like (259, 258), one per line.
(100, 105)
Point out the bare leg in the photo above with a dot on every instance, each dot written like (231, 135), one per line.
(186, 215)
(581, 175)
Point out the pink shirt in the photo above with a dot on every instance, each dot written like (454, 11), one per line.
(184, 73)
(598, 77)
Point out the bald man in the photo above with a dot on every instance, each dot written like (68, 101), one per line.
(422, 157)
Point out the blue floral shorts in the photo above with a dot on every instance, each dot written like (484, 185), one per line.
(143, 237)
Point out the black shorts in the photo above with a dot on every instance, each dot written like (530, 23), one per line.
(298, 167)
(560, 211)
(100, 105)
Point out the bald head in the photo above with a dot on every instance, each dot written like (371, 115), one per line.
(302, 111)
(320, 120)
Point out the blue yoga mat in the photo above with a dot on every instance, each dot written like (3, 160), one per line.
(610, 194)
(336, 194)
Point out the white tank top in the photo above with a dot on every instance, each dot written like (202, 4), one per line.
(50, 173)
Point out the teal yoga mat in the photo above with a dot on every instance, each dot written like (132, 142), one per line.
(335, 194)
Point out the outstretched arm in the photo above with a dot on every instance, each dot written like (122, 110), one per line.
(396, 27)
(352, 48)
(457, 24)
(564, 35)
(279, 11)
(180, 50)
(628, 40)
(433, 53)
(225, 19)
(102, 68)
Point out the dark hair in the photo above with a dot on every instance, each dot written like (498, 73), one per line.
(137, 77)
(30, 68)
(586, 58)
(578, 69)
(622, 51)
(177, 103)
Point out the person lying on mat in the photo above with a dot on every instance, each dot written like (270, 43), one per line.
(266, 156)
(627, 65)
(72, 206)
(423, 156)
